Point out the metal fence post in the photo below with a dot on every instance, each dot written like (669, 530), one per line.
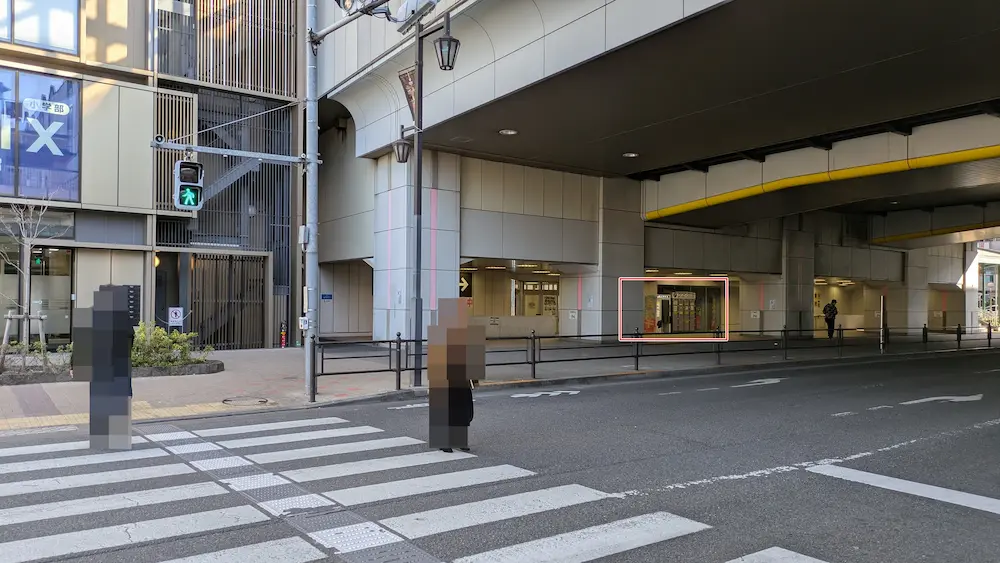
(840, 341)
(635, 350)
(784, 341)
(317, 366)
(989, 335)
(925, 337)
(718, 347)
(958, 335)
(399, 361)
(531, 357)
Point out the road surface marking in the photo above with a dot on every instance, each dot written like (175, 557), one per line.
(215, 464)
(335, 449)
(456, 517)
(846, 413)
(989, 371)
(429, 484)
(192, 448)
(284, 506)
(880, 407)
(71, 543)
(76, 461)
(949, 496)
(57, 447)
(251, 482)
(298, 437)
(776, 555)
(79, 507)
(249, 429)
(290, 550)
(544, 394)
(759, 382)
(355, 537)
(170, 436)
(92, 479)
(709, 389)
(671, 393)
(950, 399)
(413, 406)
(595, 542)
(373, 465)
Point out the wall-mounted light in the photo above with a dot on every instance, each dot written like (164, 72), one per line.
(508, 132)
(156, 260)
(630, 155)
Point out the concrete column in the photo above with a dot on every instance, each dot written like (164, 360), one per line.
(970, 284)
(394, 249)
(798, 252)
(917, 293)
(621, 253)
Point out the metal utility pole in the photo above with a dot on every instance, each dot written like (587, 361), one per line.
(418, 209)
(312, 198)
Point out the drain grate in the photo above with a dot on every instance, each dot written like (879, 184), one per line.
(245, 401)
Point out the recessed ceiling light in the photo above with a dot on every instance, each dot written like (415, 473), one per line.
(893, 203)
(553, 274)
(718, 274)
(541, 271)
(527, 265)
(651, 270)
(630, 154)
(508, 132)
(496, 267)
(682, 273)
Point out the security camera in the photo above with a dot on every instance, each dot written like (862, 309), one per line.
(159, 138)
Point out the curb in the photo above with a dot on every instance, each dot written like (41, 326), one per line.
(411, 394)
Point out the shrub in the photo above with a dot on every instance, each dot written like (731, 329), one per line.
(154, 346)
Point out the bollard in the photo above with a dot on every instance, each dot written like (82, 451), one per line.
(399, 361)
(718, 348)
(784, 341)
(635, 350)
(532, 358)
(925, 337)
(958, 335)
(840, 341)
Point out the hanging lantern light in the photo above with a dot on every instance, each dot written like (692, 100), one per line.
(402, 148)
(446, 47)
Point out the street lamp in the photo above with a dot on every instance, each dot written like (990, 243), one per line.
(446, 47)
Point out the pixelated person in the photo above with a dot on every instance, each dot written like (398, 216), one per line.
(102, 349)
(456, 356)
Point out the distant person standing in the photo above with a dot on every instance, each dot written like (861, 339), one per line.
(830, 314)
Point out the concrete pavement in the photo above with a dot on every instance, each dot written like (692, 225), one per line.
(761, 467)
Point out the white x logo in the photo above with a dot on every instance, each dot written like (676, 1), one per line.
(45, 136)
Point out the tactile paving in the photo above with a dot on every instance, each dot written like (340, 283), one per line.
(399, 552)
(355, 537)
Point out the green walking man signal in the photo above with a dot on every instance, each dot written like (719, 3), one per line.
(188, 185)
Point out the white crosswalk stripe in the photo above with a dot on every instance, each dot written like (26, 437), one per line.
(311, 479)
(776, 555)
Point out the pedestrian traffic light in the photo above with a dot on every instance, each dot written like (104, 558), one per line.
(188, 185)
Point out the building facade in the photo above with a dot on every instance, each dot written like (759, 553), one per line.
(86, 85)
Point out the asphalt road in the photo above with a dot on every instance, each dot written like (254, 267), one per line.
(853, 464)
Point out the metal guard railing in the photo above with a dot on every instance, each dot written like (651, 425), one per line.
(399, 353)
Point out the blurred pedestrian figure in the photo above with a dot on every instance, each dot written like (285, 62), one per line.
(830, 315)
(456, 356)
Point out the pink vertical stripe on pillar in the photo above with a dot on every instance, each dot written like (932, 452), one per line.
(434, 226)
(579, 293)
(388, 255)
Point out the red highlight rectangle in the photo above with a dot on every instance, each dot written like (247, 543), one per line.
(724, 281)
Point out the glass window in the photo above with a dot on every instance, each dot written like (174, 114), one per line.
(51, 291)
(4, 20)
(47, 24)
(8, 117)
(48, 137)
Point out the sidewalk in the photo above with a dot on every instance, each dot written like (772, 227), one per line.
(268, 379)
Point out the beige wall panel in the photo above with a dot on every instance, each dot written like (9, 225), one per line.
(93, 269)
(137, 126)
(115, 32)
(127, 267)
(99, 166)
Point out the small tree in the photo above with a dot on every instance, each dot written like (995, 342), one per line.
(22, 228)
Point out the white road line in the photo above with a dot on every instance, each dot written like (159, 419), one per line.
(76, 461)
(845, 413)
(93, 479)
(335, 449)
(57, 447)
(372, 465)
(78, 507)
(949, 496)
(450, 518)
(880, 407)
(72, 543)
(776, 555)
(429, 484)
(671, 393)
(595, 542)
(289, 550)
(251, 482)
(251, 428)
(298, 437)
(284, 506)
(709, 389)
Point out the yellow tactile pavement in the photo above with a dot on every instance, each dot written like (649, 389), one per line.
(141, 410)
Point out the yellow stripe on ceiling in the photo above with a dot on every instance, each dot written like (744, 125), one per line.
(935, 232)
(944, 159)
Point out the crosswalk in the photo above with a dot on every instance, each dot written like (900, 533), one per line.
(325, 489)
